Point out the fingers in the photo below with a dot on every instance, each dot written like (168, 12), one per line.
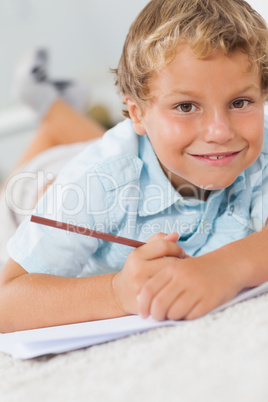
(145, 262)
(160, 247)
(163, 299)
(158, 296)
(139, 278)
(174, 237)
(182, 307)
(148, 293)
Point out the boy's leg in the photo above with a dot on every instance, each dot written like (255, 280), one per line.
(57, 103)
(61, 125)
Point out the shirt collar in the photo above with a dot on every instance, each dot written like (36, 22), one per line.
(157, 193)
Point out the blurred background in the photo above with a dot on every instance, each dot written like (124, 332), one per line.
(84, 39)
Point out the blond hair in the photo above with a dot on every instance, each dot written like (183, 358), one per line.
(205, 25)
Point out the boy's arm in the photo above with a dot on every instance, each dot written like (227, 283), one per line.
(248, 257)
(39, 300)
(29, 300)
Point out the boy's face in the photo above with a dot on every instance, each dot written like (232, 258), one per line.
(205, 120)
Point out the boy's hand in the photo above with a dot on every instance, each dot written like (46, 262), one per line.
(187, 289)
(142, 264)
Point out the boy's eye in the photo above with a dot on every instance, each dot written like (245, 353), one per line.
(186, 107)
(239, 103)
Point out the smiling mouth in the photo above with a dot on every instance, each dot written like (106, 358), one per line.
(216, 158)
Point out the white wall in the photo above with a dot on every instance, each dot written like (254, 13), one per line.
(261, 6)
(85, 37)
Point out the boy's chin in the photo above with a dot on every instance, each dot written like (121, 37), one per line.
(219, 185)
(203, 185)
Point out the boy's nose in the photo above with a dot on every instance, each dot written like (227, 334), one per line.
(218, 128)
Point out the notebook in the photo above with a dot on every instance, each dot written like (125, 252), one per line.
(52, 340)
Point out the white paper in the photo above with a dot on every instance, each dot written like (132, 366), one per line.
(38, 342)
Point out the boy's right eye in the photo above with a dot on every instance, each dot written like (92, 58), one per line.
(186, 107)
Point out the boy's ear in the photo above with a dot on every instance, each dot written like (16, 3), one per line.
(135, 115)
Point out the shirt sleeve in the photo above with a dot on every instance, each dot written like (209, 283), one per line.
(259, 205)
(43, 249)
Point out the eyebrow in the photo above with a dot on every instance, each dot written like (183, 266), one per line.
(185, 92)
(249, 87)
(178, 91)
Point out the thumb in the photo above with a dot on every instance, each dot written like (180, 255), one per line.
(164, 236)
(174, 237)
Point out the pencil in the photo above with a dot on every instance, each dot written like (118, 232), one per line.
(87, 232)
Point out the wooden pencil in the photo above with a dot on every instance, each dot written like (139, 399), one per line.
(87, 232)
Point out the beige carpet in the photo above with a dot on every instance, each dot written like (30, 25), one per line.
(221, 357)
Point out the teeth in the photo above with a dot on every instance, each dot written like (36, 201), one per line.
(216, 157)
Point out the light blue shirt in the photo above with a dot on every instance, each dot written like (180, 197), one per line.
(116, 185)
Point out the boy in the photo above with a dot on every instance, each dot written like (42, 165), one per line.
(191, 159)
